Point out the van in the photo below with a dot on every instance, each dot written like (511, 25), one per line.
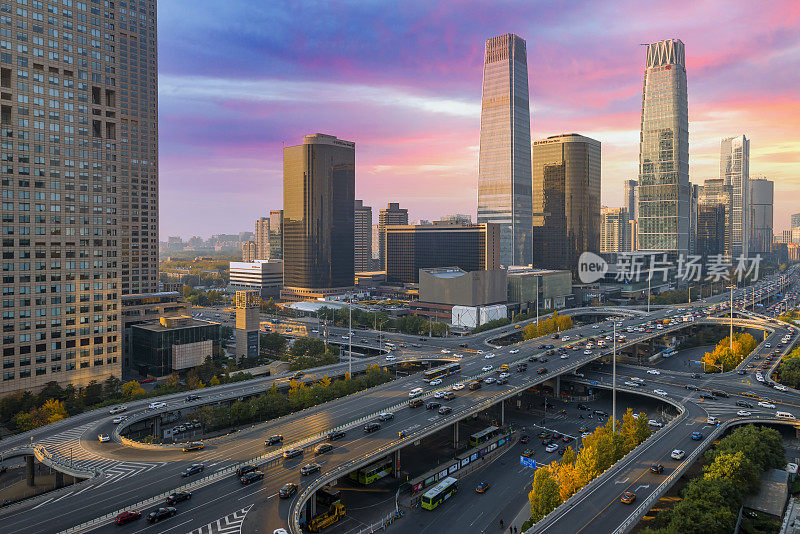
(449, 395)
(415, 392)
(784, 415)
(474, 385)
(157, 405)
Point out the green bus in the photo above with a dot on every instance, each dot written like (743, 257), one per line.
(483, 436)
(372, 472)
(439, 493)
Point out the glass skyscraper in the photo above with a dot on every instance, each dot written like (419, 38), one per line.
(504, 168)
(734, 168)
(663, 218)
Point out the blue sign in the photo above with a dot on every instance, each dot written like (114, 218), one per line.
(593, 382)
(527, 462)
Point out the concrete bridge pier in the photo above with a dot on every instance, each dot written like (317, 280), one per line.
(30, 475)
(59, 479)
(311, 507)
(558, 386)
(455, 436)
(157, 427)
(503, 412)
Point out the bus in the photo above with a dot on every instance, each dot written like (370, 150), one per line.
(483, 436)
(439, 493)
(441, 372)
(389, 345)
(372, 472)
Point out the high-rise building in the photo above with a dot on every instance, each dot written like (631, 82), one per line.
(566, 200)
(630, 196)
(711, 229)
(761, 206)
(471, 247)
(80, 185)
(249, 251)
(614, 230)
(716, 192)
(276, 234)
(694, 199)
(663, 217)
(794, 220)
(262, 238)
(504, 167)
(362, 224)
(734, 168)
(318, 199)
(375, 244)
(458, 218)
(391, 215)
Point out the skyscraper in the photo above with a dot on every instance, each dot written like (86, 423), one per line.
(566, 200)
(80, 185)
(710, 229)
(276, 234)
(391, 215)
(614, 230)
(794, 220)
(663, 217)
(734, 168)
(249, 251)
(362, 223)
(262, 238)
(630, 197)
(504, 168)
(715, 192)
(761, 207)
(318, 200)
(694, 199)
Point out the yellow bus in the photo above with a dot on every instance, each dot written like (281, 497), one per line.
(439, 493)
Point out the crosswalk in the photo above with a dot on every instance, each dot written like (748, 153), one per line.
(230, 524)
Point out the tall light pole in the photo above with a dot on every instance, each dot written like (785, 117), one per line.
(690, 294)
(732, 286)
(614, 380)
(350, 335)
(649, 277)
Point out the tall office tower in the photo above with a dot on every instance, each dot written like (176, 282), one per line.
(392, 215)
(694, 198)
(276, 234)
(663, 217)
(318, 199)
(249, 251)
(716, 192)
(630, 197)
(794, 220)
(362, 223)
(504, 166)
(761, 206)
(711, 229)
(375, 245)
(734, 168)
(566, 200)
(262, 238)
(80, 185)
(614, 230)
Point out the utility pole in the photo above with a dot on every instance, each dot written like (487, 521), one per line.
(649, 277)
(350, 336)
(732, 286)
(614, 381)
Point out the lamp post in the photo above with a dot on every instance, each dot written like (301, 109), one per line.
(690, 294)
(614, 380)
(649, 277)
(350, 335)
(732, 286)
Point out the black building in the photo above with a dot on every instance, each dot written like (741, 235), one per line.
(710, 229)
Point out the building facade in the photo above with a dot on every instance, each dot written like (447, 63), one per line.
(265, 276)
(504, 167)
(663, 217)
(261, 238)
(391, 215)
(761, 215)
(362, 238)
(711, 229)
(715, 192)
(734, 169)
(318, 200)
(247, 324)
(526, 285)
(276, 234)
(172, 344)
(630, 196)
(249, 251)
(794, 220)
(566, 185)
(614, 230)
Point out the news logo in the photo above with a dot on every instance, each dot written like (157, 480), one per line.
(591, 267)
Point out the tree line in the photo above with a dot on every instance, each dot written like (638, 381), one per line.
(554, 323)
(789, 369)
(726, 355)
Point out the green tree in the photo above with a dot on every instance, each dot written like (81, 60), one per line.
(544, 495)
(736, 469)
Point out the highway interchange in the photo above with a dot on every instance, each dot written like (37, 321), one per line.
(140, 473)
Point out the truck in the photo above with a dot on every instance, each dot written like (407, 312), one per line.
(326, 519)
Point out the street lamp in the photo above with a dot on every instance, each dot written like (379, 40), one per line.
(731, 287)
(350, 335)
(614, 380)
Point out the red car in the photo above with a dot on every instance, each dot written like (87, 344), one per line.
(146, 380)
(127, 517)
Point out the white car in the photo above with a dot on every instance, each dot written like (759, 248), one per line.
(117, 409)
(595, 326)
(743, 413)
(653, 372)
(653, 422)
(760, 377)
(490, 380)
(780, 387)
(765, 404)
(345, 337)
(489, 356)
(564, 338)
(637, 379)
(768, 345)
(660, 392)
(438, 395)
(487, 368)
(458, 356)
(458, 386)
(103, 438)
(280, 531)
(587, 352)
(585, 435)
(678, 454)
(551, 448)
(564, 356)
(118, 420)
(479, 351)
(504, 375)
(513, 351)
(435, 382)
(445, 351)
(391, 358)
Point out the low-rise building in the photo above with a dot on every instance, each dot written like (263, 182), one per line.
(472, 297)
(172, 344)
(144, 308)
(551, 287)
(265, 276)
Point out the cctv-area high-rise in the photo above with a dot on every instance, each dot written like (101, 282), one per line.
(504, 168)
(663, 215)
(734, 169)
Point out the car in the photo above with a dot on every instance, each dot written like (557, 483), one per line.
(697, 436)
(542, 371)
(696, 375)
(524, 438)
(741, 372)
(335, 434)
(273, 440)
(445, 351)
(677, 454)
(161, 513)
(435, 382)
(564, 356)
(653, 372)
(765, 404)
(322, 448)
(245, 469)
(708, 396)
(287, 490)
(513, 351)
(385, 416)
(458, 386)
(527, 453)
(780, 387)
(583, 407)
(117, 409)
(653, 422)
(567, 439)
(692, 387)
(628, 497)
(103, 438)
(444, 410)
(178, 496)
(127, 517)
(551, 448)
(430, 405)
(292, 453)
(118, 420)
(310, 468)
(744, 404)
(372, 427)
(191, 398)
(660, 392)
(438, 395)
(587, 352)
(195, 446)
(743, 413)
(504, 375)
(193, 469)
(501, 381)
(486, 368)
(657, 468)
(482, 487)
(490, 380)
(390, 358)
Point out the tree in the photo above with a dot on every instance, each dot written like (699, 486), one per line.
(324, 382)
(734, 468)
(761, 445)
(132, 390)
(214, 381)
(544, 495)
(307, 346)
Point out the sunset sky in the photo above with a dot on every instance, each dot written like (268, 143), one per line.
(403, 81)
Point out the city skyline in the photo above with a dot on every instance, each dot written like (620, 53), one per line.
(416, 117)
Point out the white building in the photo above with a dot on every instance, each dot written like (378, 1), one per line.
(264, 275)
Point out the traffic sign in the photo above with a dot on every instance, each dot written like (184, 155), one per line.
(593, 383)
(527, 462)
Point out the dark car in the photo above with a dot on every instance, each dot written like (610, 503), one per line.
(371, 427)
(336, 434)
(719, 393)
(524, 438)
(657, 468)
(193, 469)
(692, 387)
(696, 375)
(245, 469)
(744, 404)
(697, 436)
(521, 368)
(322, 448)
(287, 490)
(533, 358)
(251, 477)
(741, 372)
(292, 453)
(542, 371)
(567, 439)
(501, 381)
(161, 513)
(462, 345)
(601, 413)
(127, 517)
(544, 434)
(191, 398)
(583, 407)
(178, 496)
(273, 440)
(432, 404)
(414, 403)
(298, 374)
(444, 410)
(708, 396)
(310, 468)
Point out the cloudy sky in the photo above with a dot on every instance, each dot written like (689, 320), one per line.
(403, 80)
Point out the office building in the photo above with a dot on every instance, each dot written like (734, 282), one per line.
(711, 229)
(262, 238)
(734, 168)
(246, 304)
(362, 237)
(694, 199)
(375, 245)
(715, 192)
(80, 185)
(663, 218)
(504, 165)
(318, 199)
(458, 218)
(566, 199)
(460, 297)
(147, 307)
(264, 276)
(761, 212)
(392, 215)
(794, 220)
(249, 251)
(630, 197)
(276, 234)
(172, 344)
(526, 285)
(614, 230)
(409, 248)
(784, 237)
